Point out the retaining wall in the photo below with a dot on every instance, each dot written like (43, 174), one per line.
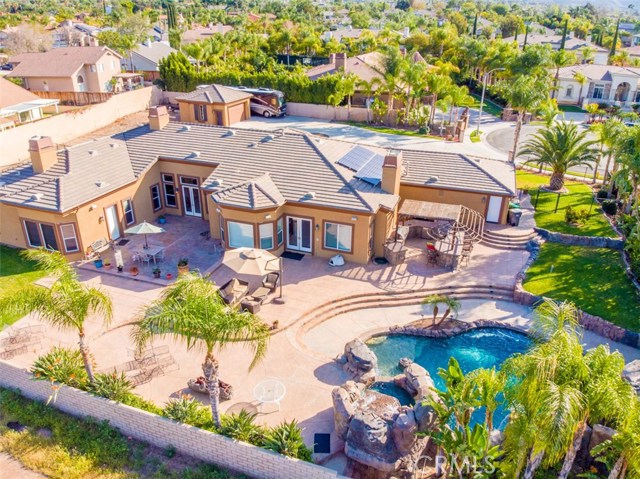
(575, 240)
(162, 432)
(66, 126)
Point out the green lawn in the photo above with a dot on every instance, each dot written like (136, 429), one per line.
(571, 108)
(593, 278)
(391, 131)
(579, 196)
(15, 273)
(489, 106)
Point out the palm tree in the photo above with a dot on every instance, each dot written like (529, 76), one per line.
(582, 79)
(549, 111)
(490, 384)
(559, 59)
(524, 94)
(192, 310)
(437, 84)
(608, 134)
(413, 76)
(628, 175)
(561, 148)
(66, 304)
(592, 110)
(452, 305)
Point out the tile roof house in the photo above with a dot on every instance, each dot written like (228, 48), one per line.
(146, 59)
(70, 69)
(572, 44)
(215, 105)
(278, 191)
(605, 84)
(202, 33)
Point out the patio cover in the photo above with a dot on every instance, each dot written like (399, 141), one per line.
(24, 107)
(429, 210)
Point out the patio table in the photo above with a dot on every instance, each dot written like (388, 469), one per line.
(269, 391)
(151, 251)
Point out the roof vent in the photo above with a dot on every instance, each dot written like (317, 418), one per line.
(433, 179)
(186, 128)
(230, 133)
(251, 145)
(114, 145)
(101, 184)
(93, 152)
(268, 138)
(217, 182)
(36, 197)
(311, 195)
(195, 154)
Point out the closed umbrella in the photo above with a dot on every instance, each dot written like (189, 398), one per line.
(145, 229)
(254, 262)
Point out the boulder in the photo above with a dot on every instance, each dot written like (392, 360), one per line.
(359, 359)
(631, 373)
(404, 432)
(404, 362)
(599, 434)
(419, 382)
(370, 441)
(425, 415)
(345, 400)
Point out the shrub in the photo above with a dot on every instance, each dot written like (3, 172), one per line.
(286, 439)
(136, 401)
(610, 207)
(61, 365)
(112, 386)
(576, 216)
(602, 194)
(242, 427)
(187, 410)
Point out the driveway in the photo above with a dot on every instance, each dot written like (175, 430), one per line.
(10, 468)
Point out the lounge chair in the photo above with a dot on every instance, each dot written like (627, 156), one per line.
(233, 291)
(270, 281)
(259, 294)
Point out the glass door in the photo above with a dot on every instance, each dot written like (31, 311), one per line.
(111, 214)
(299, 234)
(191, 196)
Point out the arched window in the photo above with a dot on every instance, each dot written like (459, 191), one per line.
(80, 79)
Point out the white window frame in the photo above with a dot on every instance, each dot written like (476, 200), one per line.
(232, 227)
(596, 87)
(280, 230)
(26, 233)
(569, 93)
(126, 211)
(155, 195)
(265, 232)
(93, 68)
(171, 182)
(74, 237)
(221, 223)
(340, 227)
(100, 67)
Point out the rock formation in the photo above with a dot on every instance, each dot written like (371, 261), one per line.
(359, 361)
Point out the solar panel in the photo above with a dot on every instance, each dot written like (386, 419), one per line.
(356, 158)
(371, 172)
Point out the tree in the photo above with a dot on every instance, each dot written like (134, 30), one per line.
(560, 59)
(27, 39)
(549, 111)
(490, 384)
(627, 178)
(524, 94)
(608, 134)
(66, 304)
(561, 148)
(435, 300)
(192, 311)
(582, 80)
(614, 42)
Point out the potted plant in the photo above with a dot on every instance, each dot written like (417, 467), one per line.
(183, 266)
(98, 262)
(162, 220)
(156, 272)
(107, 263)
(169, 276)
(134, 271)
(120, 268)
(275, 325)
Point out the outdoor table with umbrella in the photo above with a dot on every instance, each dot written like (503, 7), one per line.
(145, 229)
(254, 262)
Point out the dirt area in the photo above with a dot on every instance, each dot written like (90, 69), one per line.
(123, 124)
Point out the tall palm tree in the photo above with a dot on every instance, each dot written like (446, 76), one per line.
(608, 134)
(192, 310)
(413, 77)
(437, 85)
(66, 304)
(524, 94)
(560, 147)
(559, 59)
(628, 174)
(582, 80)
(490, 384)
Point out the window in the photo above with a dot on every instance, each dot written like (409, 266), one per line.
(80, 79)
(569, 93)
(337, 236)
(240, 234)
(93, 68)
(189, 181)
(113, 65)
(127, 207)
(280, 230)
(33, 234)
(69, 238)
(201, 112)
(598, 91)
(221, 221)
(266, 235)
(100, 67)
(170, 199)
(637, 100)
(49, 236)
(156, 202)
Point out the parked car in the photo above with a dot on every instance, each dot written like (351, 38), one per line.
(6, 66)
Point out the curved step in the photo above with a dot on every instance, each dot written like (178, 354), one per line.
(508, 242)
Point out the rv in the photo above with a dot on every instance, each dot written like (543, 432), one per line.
(266, 102)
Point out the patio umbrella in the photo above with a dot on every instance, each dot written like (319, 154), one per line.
(253, 262)
(145, 229)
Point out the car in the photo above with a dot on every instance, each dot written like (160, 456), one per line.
(7, 66)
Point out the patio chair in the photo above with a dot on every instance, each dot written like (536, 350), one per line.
(270, 281)
(233, 291)
(259, 294)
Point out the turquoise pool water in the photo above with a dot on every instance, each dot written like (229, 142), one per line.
(479, 348)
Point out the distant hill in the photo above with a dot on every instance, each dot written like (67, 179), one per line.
(601, 4)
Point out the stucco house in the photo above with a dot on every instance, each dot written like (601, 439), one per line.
(605, 84)
(70, 69)
(146, 59)
(215, 105)
(572, 44)
(276, 191)
(18, 105)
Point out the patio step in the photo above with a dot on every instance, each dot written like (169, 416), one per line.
(400, 298)
(509, 242)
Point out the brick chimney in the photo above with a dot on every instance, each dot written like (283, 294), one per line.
(158, 117)
(341, 61)
(391, 173)
(43, 153)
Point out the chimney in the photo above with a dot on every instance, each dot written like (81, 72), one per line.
(391, 173)
(341, 61)
(158, 117)
(43, 153)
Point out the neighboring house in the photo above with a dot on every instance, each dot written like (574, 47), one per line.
(215, 105)
(634, 52)
(606, 84)
(18, 105)
(146, 59)
(343, 34)
(70, 34)
(276, 191)
(575, 45)
(203, 33)
(71, 69)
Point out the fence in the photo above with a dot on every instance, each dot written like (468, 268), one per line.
(78, 98)
(328, 112)
(162, 432)
(74, 123)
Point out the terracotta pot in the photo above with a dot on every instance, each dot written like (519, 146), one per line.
(183, 269)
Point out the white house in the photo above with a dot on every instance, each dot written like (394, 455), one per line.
(571, 44)
(605, 84)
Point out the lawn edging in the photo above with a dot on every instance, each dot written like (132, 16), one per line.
(163, 432)
(589, 322)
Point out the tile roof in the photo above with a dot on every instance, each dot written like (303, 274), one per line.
(12, 94)
(202, 33)
(256, 193)
(598, 72)
(58, 62)
(571, 43)
(215, 94)
(154, 51)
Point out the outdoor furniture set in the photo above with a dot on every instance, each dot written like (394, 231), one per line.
(236, 292)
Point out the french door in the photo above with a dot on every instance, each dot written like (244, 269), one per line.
(191, 197)
(113, 225)
(299, 234)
